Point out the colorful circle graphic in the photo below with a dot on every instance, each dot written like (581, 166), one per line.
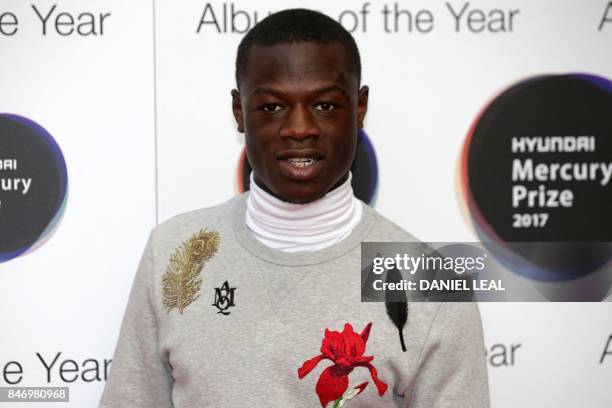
(33, 185)
(364, 170)
(536, 166)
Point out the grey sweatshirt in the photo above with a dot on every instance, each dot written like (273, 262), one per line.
(217, 319)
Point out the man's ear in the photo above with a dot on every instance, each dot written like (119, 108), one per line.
(237, 110)
(362, 105)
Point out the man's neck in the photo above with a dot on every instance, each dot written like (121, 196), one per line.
(311, 226)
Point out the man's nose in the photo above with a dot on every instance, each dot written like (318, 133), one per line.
(299, 124)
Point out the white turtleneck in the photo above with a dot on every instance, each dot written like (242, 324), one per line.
(291, 227)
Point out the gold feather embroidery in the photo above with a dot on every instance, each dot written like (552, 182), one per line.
(181, 282)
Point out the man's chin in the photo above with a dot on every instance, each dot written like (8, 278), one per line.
(300, 195)
(296, 192)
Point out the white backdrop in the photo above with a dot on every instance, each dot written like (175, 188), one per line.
(142, 114)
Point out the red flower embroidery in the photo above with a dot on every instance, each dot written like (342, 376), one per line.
(346, 351)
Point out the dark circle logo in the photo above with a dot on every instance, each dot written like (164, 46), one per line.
(364, 170)
(536, 167)
(33, 185)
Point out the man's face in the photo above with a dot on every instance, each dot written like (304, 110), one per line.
(300, 107)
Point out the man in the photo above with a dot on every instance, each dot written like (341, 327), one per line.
(256, 302)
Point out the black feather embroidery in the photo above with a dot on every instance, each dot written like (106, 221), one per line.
(396, 303)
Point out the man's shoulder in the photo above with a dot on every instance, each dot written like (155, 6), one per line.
(385, 230)
(214, 218)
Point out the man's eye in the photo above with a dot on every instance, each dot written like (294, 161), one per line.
(271, 107)
(324, 106)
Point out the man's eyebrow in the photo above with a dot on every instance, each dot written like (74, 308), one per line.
(332, 88)
(318, 91)
(266, 90)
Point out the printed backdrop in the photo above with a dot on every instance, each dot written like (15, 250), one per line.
(115, 116)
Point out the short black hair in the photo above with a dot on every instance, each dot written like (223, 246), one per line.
(295, 26)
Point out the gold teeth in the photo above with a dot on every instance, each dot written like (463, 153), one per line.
(301, 162)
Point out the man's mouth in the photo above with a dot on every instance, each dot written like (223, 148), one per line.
(301, 164)
(301, 161)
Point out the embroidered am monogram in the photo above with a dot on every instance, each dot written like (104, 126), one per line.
(224, 298)
(181, 281)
